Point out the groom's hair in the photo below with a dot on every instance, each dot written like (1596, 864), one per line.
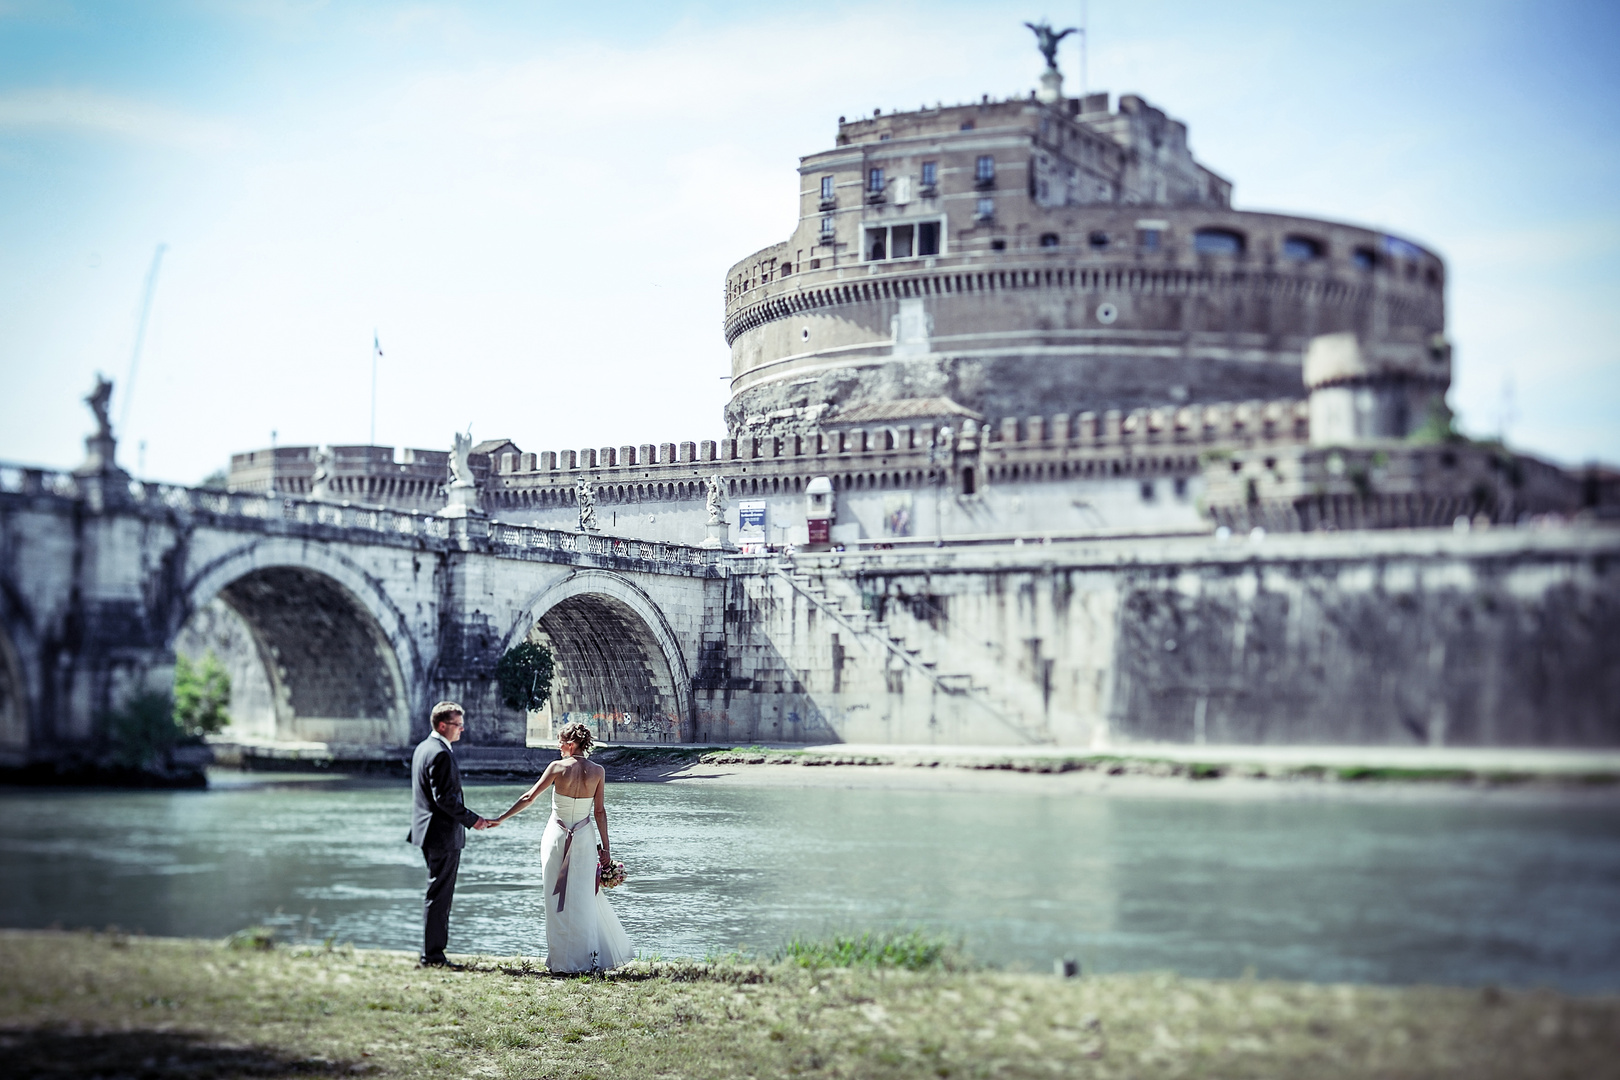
(444, 712)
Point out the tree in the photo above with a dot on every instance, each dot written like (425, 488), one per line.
(525, 674)
(202, 695)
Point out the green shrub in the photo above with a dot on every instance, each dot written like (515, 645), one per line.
(142, 733)
(525, 674)
(202, 695)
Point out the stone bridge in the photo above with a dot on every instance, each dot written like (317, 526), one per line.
(362, 618)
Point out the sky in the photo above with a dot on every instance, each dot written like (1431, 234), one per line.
(533, 205)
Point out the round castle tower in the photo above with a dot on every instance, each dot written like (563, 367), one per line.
(1022, 257)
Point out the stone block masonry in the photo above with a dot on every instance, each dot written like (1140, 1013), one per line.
(1504, 638)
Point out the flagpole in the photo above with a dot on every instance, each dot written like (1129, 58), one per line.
(375, 349)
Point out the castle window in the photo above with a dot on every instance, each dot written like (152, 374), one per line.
(1098, 241)
(984, 171)
(986, 209)
(874, 181)
(877, 241)
(1218, 242)
(1049, 240)
(968, 484)
(928, 238)
(1147, 491)
(930, 173)
(967, 125)
(884, 137)
(787, 268)
(1301, 248)
(900, 238)
(1148, 239)
(826, 187)
(1363, 258)
(1043, 189)
(901, 241)
(826, 230)
(998, 245)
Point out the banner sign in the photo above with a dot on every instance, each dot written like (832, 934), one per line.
(751, 520)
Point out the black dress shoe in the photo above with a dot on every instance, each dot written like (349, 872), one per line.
(440, 962)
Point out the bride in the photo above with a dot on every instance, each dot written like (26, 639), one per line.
(582, 933)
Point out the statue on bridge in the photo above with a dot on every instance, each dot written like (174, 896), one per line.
(585, 492)
(98, 400)
(461, 474)
(100, 449)
(716, 500)
(461, 496)
(320, 487)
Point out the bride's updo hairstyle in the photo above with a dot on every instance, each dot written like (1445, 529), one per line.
(580, 736)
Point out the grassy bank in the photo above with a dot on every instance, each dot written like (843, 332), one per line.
(81, 1004)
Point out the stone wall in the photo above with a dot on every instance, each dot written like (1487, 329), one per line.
(1415, 638)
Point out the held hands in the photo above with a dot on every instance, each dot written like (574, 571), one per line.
(487, 823)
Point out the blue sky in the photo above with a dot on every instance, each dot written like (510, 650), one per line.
(535, 204)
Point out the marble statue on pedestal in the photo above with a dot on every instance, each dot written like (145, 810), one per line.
(461, 496)
(100, 448)
(320, 486)
(585, 491)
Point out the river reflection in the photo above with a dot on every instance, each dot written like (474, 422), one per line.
(1413, 891)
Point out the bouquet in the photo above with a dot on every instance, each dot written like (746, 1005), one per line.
(610, 876)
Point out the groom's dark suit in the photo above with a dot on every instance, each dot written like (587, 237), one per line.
(439, 825)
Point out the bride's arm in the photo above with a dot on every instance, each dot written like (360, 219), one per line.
(529, 796)
(601, 820)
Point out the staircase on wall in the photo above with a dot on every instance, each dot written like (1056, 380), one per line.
(860, 622)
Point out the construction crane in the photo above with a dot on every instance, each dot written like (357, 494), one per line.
(140, 337)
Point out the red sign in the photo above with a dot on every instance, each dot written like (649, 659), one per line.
(820, 530)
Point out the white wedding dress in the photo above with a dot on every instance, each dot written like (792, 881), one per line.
(582, 933)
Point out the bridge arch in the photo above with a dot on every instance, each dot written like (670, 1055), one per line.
(339, 656)
(620, 667)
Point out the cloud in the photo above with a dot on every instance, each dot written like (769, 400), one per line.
(87, 110)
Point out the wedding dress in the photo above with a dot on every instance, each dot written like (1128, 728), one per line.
(582, 933)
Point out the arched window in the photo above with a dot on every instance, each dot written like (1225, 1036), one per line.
(1049, 240)
(1218, 242)
(1301, 248)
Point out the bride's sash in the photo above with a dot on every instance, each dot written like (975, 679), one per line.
(560, 891)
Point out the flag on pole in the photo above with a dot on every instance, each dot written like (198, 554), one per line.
(375, 347)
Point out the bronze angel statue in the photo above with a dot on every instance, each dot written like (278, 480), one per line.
(1048, 40)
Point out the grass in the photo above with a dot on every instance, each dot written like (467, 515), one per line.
(911, 950)
(81, 1005)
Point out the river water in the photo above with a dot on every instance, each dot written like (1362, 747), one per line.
(1413, 890)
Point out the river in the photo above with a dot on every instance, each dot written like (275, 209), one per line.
(1461, 891)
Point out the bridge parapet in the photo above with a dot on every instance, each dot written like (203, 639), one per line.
(372, 524)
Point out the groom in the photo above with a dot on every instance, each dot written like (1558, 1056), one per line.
(439, 824)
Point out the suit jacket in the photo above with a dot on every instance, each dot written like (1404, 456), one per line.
(440, 819)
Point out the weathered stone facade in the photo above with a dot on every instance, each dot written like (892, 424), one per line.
(1024, 256)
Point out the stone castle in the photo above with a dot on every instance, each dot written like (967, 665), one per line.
(1031, 401)
(1033, 317)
